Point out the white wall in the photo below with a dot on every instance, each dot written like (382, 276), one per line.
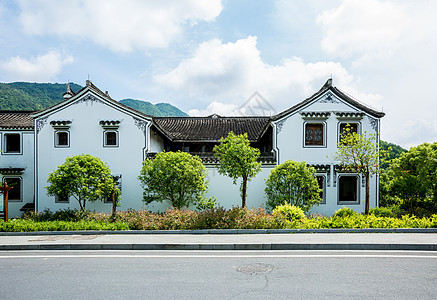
(22, 160)
(86, 136)
(291, 146)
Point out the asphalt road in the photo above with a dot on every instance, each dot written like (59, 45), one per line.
(218, 275)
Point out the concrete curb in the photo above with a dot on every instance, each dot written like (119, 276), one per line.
(331, 246)
(226, 231)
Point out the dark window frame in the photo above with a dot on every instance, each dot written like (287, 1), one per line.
(105, 138)
(323, 193)
(13, 191)
(313, 125)
(59, 199)
(7, 136)
(57, 139)
(343, 124)
(348, 177)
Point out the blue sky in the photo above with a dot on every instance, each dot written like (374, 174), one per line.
(210, 56)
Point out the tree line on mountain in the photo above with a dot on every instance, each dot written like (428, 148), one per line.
(27, 96)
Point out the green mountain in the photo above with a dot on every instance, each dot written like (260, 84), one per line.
(38, 96)
(32, 96)
(156, 110)
(394, 151)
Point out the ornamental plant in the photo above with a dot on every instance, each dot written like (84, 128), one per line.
(83, 177)
(359, 153)
(177, 177)
(294, 183)
(238, 160)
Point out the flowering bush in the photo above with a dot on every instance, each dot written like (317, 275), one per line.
(285, 216)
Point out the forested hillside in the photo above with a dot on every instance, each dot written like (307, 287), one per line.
(156, 110)
(31, 96)
(38, 96)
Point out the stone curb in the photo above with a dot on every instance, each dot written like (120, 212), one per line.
(226, 231)
(330, 246)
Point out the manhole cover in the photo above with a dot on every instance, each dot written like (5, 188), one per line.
(255, 269)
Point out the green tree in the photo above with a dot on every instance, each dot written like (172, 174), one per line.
(177, 177)
(390, 152)
(294, 183)
(412, 177)
(359, 153)
(238, 160)
(84, 177)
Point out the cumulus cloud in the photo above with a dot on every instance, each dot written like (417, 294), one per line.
(221, 109)
(358, 27)
(121, 25)
(42, 68)
(229, 73)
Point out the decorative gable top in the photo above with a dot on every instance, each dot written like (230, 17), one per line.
(349, 115)
(60, 124)
(89, 94)
(329, 94)
(311, 115)
(110, 123)
(211, 129)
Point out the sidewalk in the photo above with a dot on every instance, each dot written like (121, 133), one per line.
(418, 239)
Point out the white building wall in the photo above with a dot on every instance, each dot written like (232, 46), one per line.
(290, 139)
(87, 137)
(20, 160)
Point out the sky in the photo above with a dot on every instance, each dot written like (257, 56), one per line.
(212, 56)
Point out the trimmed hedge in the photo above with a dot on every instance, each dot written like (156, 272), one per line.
(217, 218)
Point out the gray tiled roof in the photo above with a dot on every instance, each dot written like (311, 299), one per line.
(16, 120)
(212, 128)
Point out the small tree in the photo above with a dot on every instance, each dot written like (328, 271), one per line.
(83, 177)
(175, 176)
(294, 183)
(238, 160)
(359, 153)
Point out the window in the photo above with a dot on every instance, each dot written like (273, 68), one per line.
(62, 199)
(12, 143)
(348, 189)
(321, 180)
(353, 128)
(62, 139)
(111, 138)
(14, 193)
(314, 134)
(117, 181)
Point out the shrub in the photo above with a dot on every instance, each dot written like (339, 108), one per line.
(345, 212)
(294, 183)
(382, 212)
(288, 215)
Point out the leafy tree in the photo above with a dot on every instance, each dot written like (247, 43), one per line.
(294, 183)
(412, 177)
(83, 177)
(392, 151)
(359, 153)
(175, 176)
(238, 160)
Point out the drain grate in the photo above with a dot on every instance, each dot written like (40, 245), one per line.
(255, 269)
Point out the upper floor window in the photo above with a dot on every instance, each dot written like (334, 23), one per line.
(62, 139)
(12, 143)
(345, 127)
(314, 134)
(111, 138)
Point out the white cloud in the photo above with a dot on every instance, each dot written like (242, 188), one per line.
(221, 109)
(360, 27)
(42, 68)
(229, 73)
(121, 25)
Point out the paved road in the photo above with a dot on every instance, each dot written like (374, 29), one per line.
(218, 274)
